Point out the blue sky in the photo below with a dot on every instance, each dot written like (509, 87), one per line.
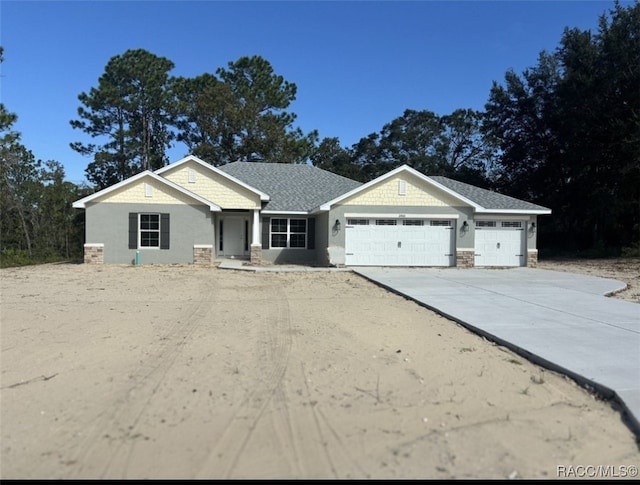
(357, 64)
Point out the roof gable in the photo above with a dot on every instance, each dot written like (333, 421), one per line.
(164, 171)
(481, 200)
(402, 189)
(156, 180)
(404, 169)
(221, 188)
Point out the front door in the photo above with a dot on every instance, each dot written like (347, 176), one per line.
(234, 236)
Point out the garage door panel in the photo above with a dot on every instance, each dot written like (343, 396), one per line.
(399, 243)
(499, 243)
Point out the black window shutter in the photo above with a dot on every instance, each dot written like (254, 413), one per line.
(266, 221)
(133, 230)
(164, 231)
(311, 233)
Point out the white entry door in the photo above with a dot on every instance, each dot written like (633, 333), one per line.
(399, 242)
(234, 236)
(499, 243)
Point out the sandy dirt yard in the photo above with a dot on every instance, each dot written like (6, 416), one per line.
(626, 270)
(186, 372)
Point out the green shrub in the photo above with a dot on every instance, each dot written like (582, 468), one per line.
(14, 257)
(632, 251)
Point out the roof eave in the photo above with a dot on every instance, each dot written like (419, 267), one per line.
(514, 211)
(286, 212)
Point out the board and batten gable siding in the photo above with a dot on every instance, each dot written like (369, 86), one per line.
(139, 193)
(387, 193)
(213, 187)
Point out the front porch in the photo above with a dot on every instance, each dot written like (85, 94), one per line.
(237, 236)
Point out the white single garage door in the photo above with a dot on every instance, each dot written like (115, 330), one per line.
(499, 243)
(399, 242)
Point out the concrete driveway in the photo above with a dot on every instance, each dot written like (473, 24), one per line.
(560, 320)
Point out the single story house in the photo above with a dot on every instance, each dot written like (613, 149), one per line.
(190, 212)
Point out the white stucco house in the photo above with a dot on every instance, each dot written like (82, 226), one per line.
(192, 212)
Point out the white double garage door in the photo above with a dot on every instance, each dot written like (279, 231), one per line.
(383, 241)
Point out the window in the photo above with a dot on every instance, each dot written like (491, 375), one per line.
(386, 222)
(412, 222)
(357, 222)
(148, 231)
(485, 223)
(148, 190)
(402, 187)
(288, 233)
(192, 176)
(517, 224)
(444, 223)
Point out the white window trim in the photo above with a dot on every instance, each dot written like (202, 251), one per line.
(140, 246)
(289, 233)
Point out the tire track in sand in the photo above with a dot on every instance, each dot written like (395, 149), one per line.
(268, 418)
(274, 353)
(288, 431)
(99, 454)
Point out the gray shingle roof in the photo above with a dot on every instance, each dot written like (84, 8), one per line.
(301, 188)
(292, 187)
(486, 198)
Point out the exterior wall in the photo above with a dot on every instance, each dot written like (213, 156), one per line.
(291, 256)
(336, 251)
(386, 193)
(532, 242)
(322, 238)
(136, 194)
(532, 234)
(213, 187)
(189, 226)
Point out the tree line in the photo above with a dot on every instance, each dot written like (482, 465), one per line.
(564, 133)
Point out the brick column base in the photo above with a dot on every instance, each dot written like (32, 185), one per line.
(465, 259)
(256, 254)
(532, 258)
(202, 254)
(94, 253)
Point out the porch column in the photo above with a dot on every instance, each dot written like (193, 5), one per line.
(256, 244)
(255, 229)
